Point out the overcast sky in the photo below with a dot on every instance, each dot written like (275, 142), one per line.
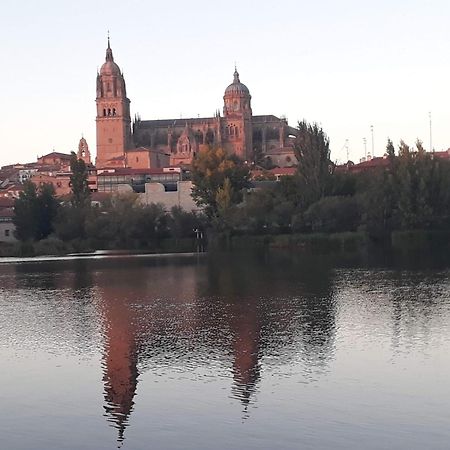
(347, 65)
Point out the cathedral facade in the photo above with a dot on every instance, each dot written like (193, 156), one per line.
(160, 143)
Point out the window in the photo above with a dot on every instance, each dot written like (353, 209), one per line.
(110, 140)
(7, 233)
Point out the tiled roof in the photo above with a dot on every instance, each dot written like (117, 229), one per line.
(56, 155)
(6, 202)
(265, 118)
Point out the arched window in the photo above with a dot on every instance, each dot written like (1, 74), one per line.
(104, 111)
(114, 112)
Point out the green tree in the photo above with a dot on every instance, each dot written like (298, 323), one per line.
(210, 168)
(224, 197)
(377, 194)
(48, 210)
(35, 212)
(79, 182)
(390, 149)
(26, 213)
(333, 214)
(182, 223)
(312, 149)
(420, 148)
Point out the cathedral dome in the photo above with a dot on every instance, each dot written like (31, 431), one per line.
(110, 68)
(236, 87)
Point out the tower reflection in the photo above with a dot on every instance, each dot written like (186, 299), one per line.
(179, 315)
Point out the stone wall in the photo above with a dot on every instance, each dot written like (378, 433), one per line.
(156, 193)
(7, 229)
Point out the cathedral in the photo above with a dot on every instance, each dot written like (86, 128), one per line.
(144, 144)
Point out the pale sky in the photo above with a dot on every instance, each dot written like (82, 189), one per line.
(347, 65)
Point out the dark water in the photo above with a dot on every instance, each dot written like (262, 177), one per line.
(268, 351)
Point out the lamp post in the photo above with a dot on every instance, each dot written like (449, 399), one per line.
(365, 148)
(373, 145)
(431, 134)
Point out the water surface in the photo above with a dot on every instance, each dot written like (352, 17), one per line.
(261, 351)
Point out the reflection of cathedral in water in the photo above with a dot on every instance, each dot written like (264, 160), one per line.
(153, 316)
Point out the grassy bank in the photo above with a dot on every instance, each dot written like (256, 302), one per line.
(350, 242)
(57, 247)
(315, 242)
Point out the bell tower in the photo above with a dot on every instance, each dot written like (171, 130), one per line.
(83, 151)
(113, 115)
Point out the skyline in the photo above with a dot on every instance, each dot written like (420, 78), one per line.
(346, 66)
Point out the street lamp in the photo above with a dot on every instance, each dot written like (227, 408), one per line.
(373, 145)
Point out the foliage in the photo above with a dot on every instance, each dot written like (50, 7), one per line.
(312, 149)
(377, 195)
(79, 182)
(333, 215)
(181, 224)
(35, 211)
(211, 168)
(70, 223)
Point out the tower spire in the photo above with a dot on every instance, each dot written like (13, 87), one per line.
(109, 55)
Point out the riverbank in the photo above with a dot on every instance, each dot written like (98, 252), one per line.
(57, 247)
(348, 242)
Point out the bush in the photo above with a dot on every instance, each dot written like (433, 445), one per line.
(333, 215)
(51, 246)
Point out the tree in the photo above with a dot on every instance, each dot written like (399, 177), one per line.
(312, 149)
(182, 223)
(390, 150)
(48, 210)
(35, 211)
(420, 148)
(404, 151)
(211, 168)
(26, 210)
(224, 196)
(79, 182)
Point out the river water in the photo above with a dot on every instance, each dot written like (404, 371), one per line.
(255, 351)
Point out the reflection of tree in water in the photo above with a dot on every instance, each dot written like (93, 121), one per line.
(42, 275)
(179, 317)
(280, 307)
(415, 304)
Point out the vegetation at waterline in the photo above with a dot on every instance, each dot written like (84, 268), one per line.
(410, 192)
(45, 225)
